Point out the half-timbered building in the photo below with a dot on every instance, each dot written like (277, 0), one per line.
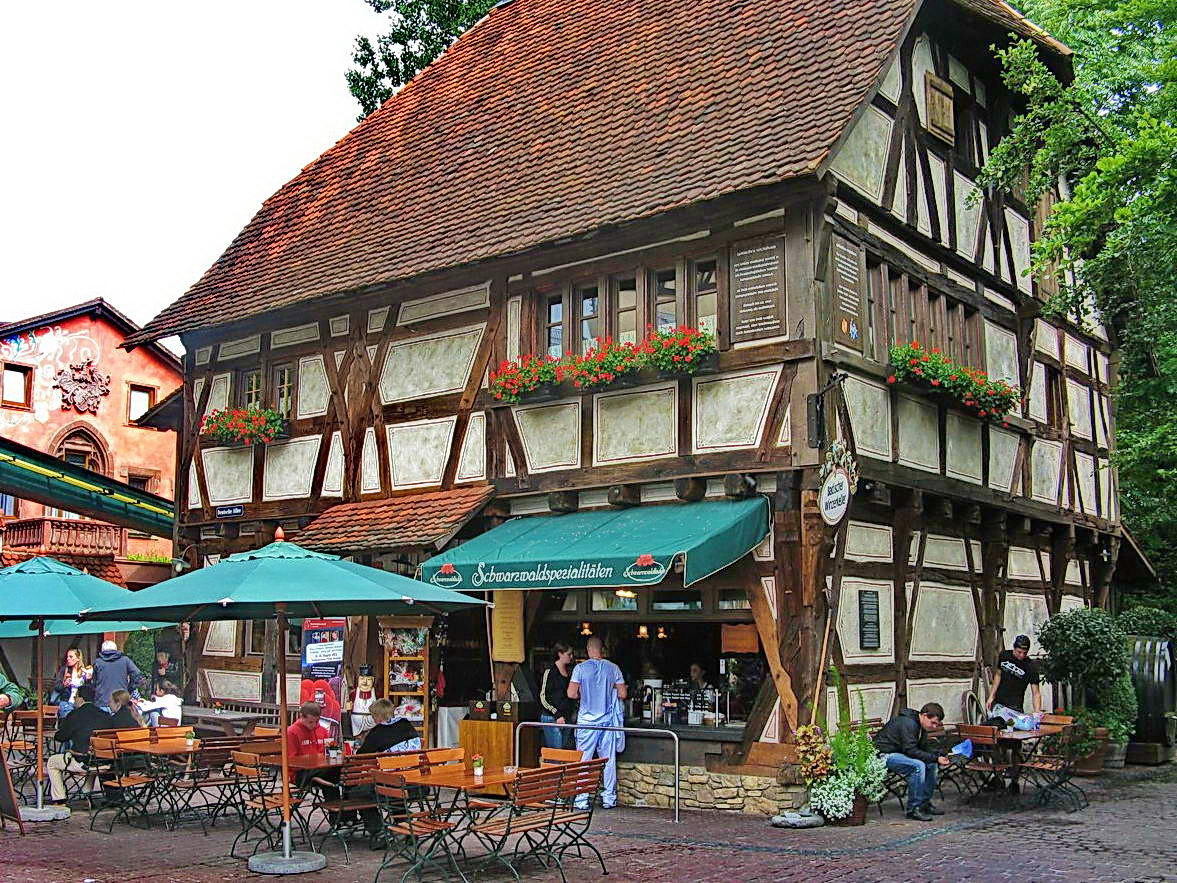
(795, 177)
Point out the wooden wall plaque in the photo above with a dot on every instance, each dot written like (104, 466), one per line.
(757, 300)
(849, 291)
(868, 620)
(939, 97)
(506, 626)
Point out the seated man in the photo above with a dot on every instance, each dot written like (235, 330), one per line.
(74, 732)
(903, 742)
(166, 703)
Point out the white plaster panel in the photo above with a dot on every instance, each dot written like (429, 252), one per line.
(996, 297)
(939, 185)
(1003, 455)
(1023, 564)
(958, 73)
(369, 463)
(785, 436)
(514, 326)
(1046, 338)
(863, 156)
(204, 355)
(1079, 409)
(1103, 366)
(988, 261)
(1019, 240)
(1037, 398)
(233, 686)
(963, 448)
(1102, 420)
(869, 405)
(1077, 353)
(1108, 502)
(194, 501)
(1046, 459)
(472, 460)
(1075, 570)
(228, 473)
(635, 424)
(945, 552)
(867, 701)
(313, 390)
(333, 474)
(948, 692)
(418, 451)
(339, 325)
(868, 542)
(245, 346)
(919, 434)
(968, 215)
(295, 335)
(890, 86)
(1023, 615)
(945, 623)
(852, 652)
(730, 410)
(290, 468)
(377, 319)
(551, 435)
(1085, 472)
(764, 552)
(221, 638)
(1071, 602)
(1001, 354)
(218, 394)
(922, 223)
(432, 365)
(921, 64)
(899, 202)
(448, 303)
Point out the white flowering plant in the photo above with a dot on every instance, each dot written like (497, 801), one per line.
(855, 768)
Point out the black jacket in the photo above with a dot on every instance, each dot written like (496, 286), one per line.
(77, 726)
(384, 736)
(904, 735)
(554, 694)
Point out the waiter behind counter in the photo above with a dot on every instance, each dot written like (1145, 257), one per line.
(558, 707)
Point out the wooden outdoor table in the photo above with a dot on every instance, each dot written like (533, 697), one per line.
(305, 762)
(231, 723)
(164, 747)
(461, 778)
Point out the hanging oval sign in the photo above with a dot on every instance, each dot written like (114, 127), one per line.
(834, 497)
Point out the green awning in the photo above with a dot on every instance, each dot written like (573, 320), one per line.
(604, 547)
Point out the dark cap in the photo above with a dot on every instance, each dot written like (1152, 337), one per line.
(365, 671)
(1022, 642)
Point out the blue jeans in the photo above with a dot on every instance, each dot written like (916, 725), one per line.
(921, 778)
(554, 737)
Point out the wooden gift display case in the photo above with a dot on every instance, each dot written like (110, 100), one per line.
(405, 671)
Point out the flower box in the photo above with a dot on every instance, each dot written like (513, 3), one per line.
(242, 427)
(933, 374)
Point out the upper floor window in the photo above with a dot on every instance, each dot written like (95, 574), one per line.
(588, 306)
(705, 294)
(8, 505)
(554, 326)
(249, 388)
(17, 386)
(284, 389)
(902, 309)
(80, 448)
(664, 286)
(625, 308)
(140, 400)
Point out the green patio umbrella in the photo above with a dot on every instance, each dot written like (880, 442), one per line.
(33, 592)
(283, 579)
(68, 628)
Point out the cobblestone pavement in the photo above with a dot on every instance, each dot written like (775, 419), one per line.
(1126, 834)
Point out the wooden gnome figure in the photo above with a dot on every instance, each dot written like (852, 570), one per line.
(361, 701)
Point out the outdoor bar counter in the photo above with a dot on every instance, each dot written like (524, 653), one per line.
(694, 743)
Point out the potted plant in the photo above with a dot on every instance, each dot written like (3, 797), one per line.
(478, 765)
(532, 377)
(1117, 708)
(681, 350)
(190, 739)
(244, 426)
(845, 774)
(606, 364)
(1087, 650)
(933, 372)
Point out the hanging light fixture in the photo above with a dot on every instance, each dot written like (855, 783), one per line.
(661, 631)
(584, 629)
(643, 631)
(625, 593)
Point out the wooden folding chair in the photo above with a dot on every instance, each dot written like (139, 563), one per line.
(260, 798)
(570, 825)
(559, 755)
(125, 790)
(422, 837)
(260, 730)
(344, 802)
(987, 770)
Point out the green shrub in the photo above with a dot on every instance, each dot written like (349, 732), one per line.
(1148, 621)
(140, 647)
(1084, 647)
(1115, 708)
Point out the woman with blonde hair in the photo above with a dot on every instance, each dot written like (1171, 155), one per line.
(73, 673)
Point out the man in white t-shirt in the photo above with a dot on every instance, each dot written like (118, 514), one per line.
(600, 687)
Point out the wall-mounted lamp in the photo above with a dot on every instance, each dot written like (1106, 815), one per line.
(662, 631)
(625, 593)
(643, 631)
(584, 629)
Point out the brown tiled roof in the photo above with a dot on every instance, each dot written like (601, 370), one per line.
(427, 519)
(101, 566)
(550, 120)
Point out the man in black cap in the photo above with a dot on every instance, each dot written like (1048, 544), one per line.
(1015, 670)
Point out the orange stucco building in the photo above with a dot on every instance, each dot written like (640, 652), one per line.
(71, 391)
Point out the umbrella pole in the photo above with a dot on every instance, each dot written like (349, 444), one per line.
(287, 861)
(283, 723)
(41, 812)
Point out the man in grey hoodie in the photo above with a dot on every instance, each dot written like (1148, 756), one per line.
(113, 670)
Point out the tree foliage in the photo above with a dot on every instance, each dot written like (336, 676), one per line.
(419, 31)
(1111, 137)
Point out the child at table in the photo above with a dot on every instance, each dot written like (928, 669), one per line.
(389, 735)
(166, 703)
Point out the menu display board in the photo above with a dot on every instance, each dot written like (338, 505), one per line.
(506, 627)
(848, 278)
(757, 289)
(868, 620)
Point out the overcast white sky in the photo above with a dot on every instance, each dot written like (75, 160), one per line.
(139, 136)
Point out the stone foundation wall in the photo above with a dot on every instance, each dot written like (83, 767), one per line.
(647, 784)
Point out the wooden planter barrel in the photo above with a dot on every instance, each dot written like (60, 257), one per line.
(857, 814)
